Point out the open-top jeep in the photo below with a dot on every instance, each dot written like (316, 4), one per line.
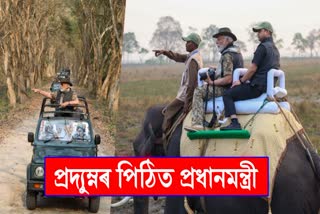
(59, 133)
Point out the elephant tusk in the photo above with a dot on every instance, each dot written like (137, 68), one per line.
(122, 202)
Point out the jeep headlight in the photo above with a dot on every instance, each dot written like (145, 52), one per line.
(38, 172)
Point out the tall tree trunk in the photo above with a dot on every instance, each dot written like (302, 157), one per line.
(101, 28)
(10, 86)
(110, 89)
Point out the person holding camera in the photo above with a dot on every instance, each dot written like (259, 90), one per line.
(193, 62)
(254, 82)
(220, 78)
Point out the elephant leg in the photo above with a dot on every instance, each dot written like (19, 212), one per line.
(195, 204)
(141, 205)
(173, 149)
(238, 205)
(175, 205)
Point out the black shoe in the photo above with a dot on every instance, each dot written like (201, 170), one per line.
(232, 126)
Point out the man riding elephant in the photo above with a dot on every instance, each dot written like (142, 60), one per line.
(193, 61)
(231, 59)
(254, 82)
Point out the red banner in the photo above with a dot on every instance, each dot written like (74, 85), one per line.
(111, 176)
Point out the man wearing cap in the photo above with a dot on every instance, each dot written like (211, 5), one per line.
(254, 82)
(193, 62)
(65, 97)
(231, 58)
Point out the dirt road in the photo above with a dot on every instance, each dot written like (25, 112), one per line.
(15, 154)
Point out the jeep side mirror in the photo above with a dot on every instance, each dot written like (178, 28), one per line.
(30, 137)
(97, 139)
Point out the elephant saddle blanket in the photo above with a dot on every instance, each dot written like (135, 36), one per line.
(269, 136)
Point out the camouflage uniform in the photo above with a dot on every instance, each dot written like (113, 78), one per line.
(200, 92)
(68, 95)
(60, 97)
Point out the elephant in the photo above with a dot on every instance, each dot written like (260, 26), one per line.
(296, 187)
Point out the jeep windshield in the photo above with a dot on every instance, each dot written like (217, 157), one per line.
(70, 131)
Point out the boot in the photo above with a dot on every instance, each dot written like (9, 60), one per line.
(234, 125)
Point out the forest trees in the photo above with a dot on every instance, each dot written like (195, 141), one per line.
(167, 35)
(37, 38)
(101, 28)
(24, 27)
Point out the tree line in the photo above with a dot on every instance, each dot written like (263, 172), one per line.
(38, 38)
(168, 33)
(311, 42)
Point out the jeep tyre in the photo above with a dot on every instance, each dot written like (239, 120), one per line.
(94, 204)
(31, 200)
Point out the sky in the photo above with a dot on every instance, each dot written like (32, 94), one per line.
(286, 16)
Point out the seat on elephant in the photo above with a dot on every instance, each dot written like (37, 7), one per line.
(252, 105)
(269, 136)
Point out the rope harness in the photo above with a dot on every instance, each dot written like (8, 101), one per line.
(255, 114)
(298, 136)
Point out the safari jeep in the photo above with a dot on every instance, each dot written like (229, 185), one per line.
(59, 133)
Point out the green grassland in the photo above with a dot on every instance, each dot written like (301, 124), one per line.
(143, 86)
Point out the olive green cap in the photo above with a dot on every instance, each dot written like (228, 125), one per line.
(263, 25)
(193, 37)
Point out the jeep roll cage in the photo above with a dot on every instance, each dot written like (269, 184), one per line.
(82, 111)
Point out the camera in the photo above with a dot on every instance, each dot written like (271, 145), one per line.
(211, 72)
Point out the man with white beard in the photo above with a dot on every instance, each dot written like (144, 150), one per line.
(231, 58)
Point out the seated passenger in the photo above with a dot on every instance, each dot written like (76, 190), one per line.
(66, 98)
(265, 58)
(231, 59)
(80, 133)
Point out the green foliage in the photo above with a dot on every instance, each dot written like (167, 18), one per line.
(209, 43)
(299, 43)
(130, 44)
(167, 35)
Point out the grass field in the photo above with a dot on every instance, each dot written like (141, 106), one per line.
(144, 85)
